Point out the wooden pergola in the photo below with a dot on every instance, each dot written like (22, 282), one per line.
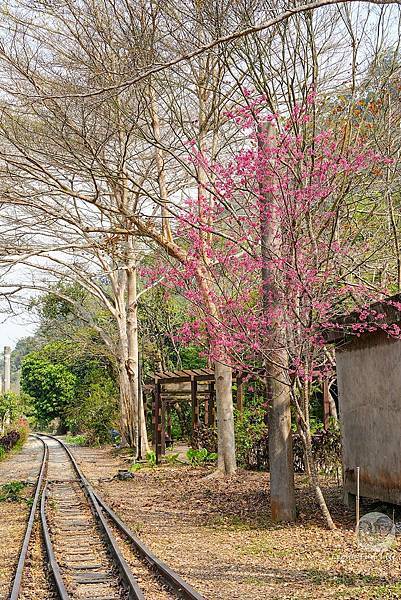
(169, 387)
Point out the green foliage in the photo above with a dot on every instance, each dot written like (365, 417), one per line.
(2, 453)
(191, 359)
(52, 386)
(172, 459)
(161, 315)
(250, 429)
(150, 462)
(200, 457)
(76, 440)
(11, 492)
(136, 467)
(8, 407)
(151, 458)
(180, 415)
(94, 409)
(22, 426)
(13, 406)
(72, 379)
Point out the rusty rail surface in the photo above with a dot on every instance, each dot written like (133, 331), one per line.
(180, 587)
(58, 580)
(128, 580)
(16, 587)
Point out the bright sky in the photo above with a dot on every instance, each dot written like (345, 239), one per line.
(14, 328)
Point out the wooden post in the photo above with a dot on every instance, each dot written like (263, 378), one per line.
(240, 396)
(163, 428)
(157, 422)
(7, 368)
(195, 403)
(206, 417)
(212, 413)
(326, 404)
(154, 417)
(141, 408)
(357, 499)
(168, 407)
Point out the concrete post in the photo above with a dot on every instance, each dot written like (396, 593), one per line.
(7, 368)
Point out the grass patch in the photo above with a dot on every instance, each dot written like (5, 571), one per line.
(380, 591)
(76, 440)
(232, 523)
(264, 547)
(11, 492)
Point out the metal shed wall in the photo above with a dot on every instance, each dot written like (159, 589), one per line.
(369, 383)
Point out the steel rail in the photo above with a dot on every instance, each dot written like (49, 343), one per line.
(173, 580)
(169, 576)
(128, 579)
(53, 564)
(16, 587)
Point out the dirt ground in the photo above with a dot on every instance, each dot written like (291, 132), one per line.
(219, 537)
(218, 534)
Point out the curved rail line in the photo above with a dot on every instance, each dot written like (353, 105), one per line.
(16, 587)
(104, 516)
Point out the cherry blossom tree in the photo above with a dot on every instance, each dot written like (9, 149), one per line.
(286, 248)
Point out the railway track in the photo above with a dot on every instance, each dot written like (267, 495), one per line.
(91, 553)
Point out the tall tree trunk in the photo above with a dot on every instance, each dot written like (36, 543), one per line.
(128, 408)
(144, 445)
(129, 429)
(227, 464)
(282, 494)
(225, 419)
(133, 348)
(276, 356)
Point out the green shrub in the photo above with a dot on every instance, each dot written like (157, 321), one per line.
(94, 412)
(76, 440)
(52, 386)
(151, 458)
(172, 459)
(150, 462)
(22, 426)
(11, 492)
(2, 453)
(200, 457)
(250, 431)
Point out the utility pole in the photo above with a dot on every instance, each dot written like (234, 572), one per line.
(7, 369)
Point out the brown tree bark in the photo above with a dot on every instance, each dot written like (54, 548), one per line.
(282, 493)
(225, 419)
